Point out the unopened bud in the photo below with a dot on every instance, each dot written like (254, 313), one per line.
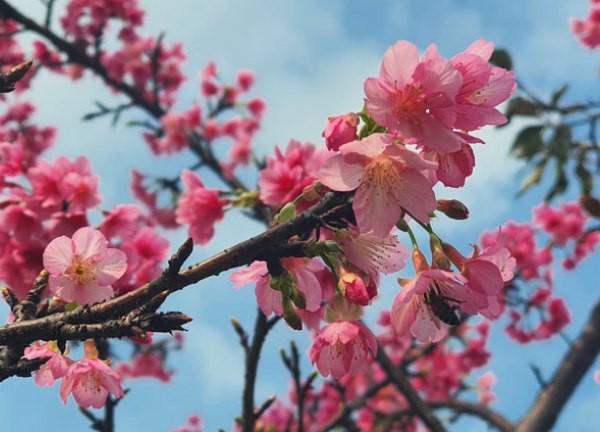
(454, 209)
(310, 192)
(290, 314)
(287, 212)
(283, 283)
(439, 258)
(299, 298)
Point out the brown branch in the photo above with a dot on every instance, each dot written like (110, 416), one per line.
(402, 383)
(552, 399)
(490, 416)
(256, 248)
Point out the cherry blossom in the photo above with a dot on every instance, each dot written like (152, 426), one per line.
(83, 268)
(415, 99)
(54, 368)
(199, 207)
(387, 178)
(588, 30)
(340, 130)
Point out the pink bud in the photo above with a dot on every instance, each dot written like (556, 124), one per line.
(245, 79)
(340, 130)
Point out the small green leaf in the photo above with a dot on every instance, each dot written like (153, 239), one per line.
(528, 142)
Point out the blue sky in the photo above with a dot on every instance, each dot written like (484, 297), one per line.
(311, 58)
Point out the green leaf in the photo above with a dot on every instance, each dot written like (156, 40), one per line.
(560, 144)
(558, 94)
(522, 106)
(501, 58)
(528, 142)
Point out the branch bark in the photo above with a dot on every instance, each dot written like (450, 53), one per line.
(552, 399)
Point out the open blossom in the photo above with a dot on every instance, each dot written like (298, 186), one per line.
(373, 254)
(199, 207)
(83, 268)
(54, 368)
(343, 347)
(387, 177)
(415, 99)
(90, 380)
(562, 224)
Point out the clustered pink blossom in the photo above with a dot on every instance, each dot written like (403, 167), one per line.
(90, 379)
(588, 30)
(287, 174)
(199, 207)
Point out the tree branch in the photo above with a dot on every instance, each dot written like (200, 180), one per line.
(402, 383)
(554, 396)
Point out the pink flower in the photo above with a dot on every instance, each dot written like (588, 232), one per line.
(372, 254)
(199, 207)
(415, 99)
(55, 368)
(145, 364)
(356, 289)
(486, 382)
(484, 87)
(588, 30)
(340, 130)
(286, 175)
(388, 179)
(343, 347)
(90, 380)
(83, 268)
(563, 224)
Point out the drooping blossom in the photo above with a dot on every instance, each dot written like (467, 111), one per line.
(415, 99)
(345, 345)
(54, 368)
(372, 254)
(306, 276)
(83, 268)
(358, 289)
(387, 178)
(90, 381)
(199, 207)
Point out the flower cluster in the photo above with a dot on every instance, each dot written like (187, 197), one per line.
(90, 379)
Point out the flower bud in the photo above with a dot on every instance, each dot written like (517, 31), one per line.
(454, 209)
(340, 130)
(290, 314)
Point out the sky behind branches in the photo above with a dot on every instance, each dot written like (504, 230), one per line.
(311, 58)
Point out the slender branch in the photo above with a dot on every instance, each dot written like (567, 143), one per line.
(490, 416)
(261, 329)
(402, 383)
(554, 396)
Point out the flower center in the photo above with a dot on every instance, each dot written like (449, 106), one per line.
(81, 271)
(382, 174)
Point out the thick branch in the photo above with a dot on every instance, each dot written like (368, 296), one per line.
(246, 252)
(552, 399)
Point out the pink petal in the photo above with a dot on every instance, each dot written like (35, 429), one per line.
(89, 242)
(110, 267)
(403, 315)
(414, 193)
(340, 175)
(58, 255)
(375, 210)
(399, 63)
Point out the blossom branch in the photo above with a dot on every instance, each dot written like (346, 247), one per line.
(554, 396)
